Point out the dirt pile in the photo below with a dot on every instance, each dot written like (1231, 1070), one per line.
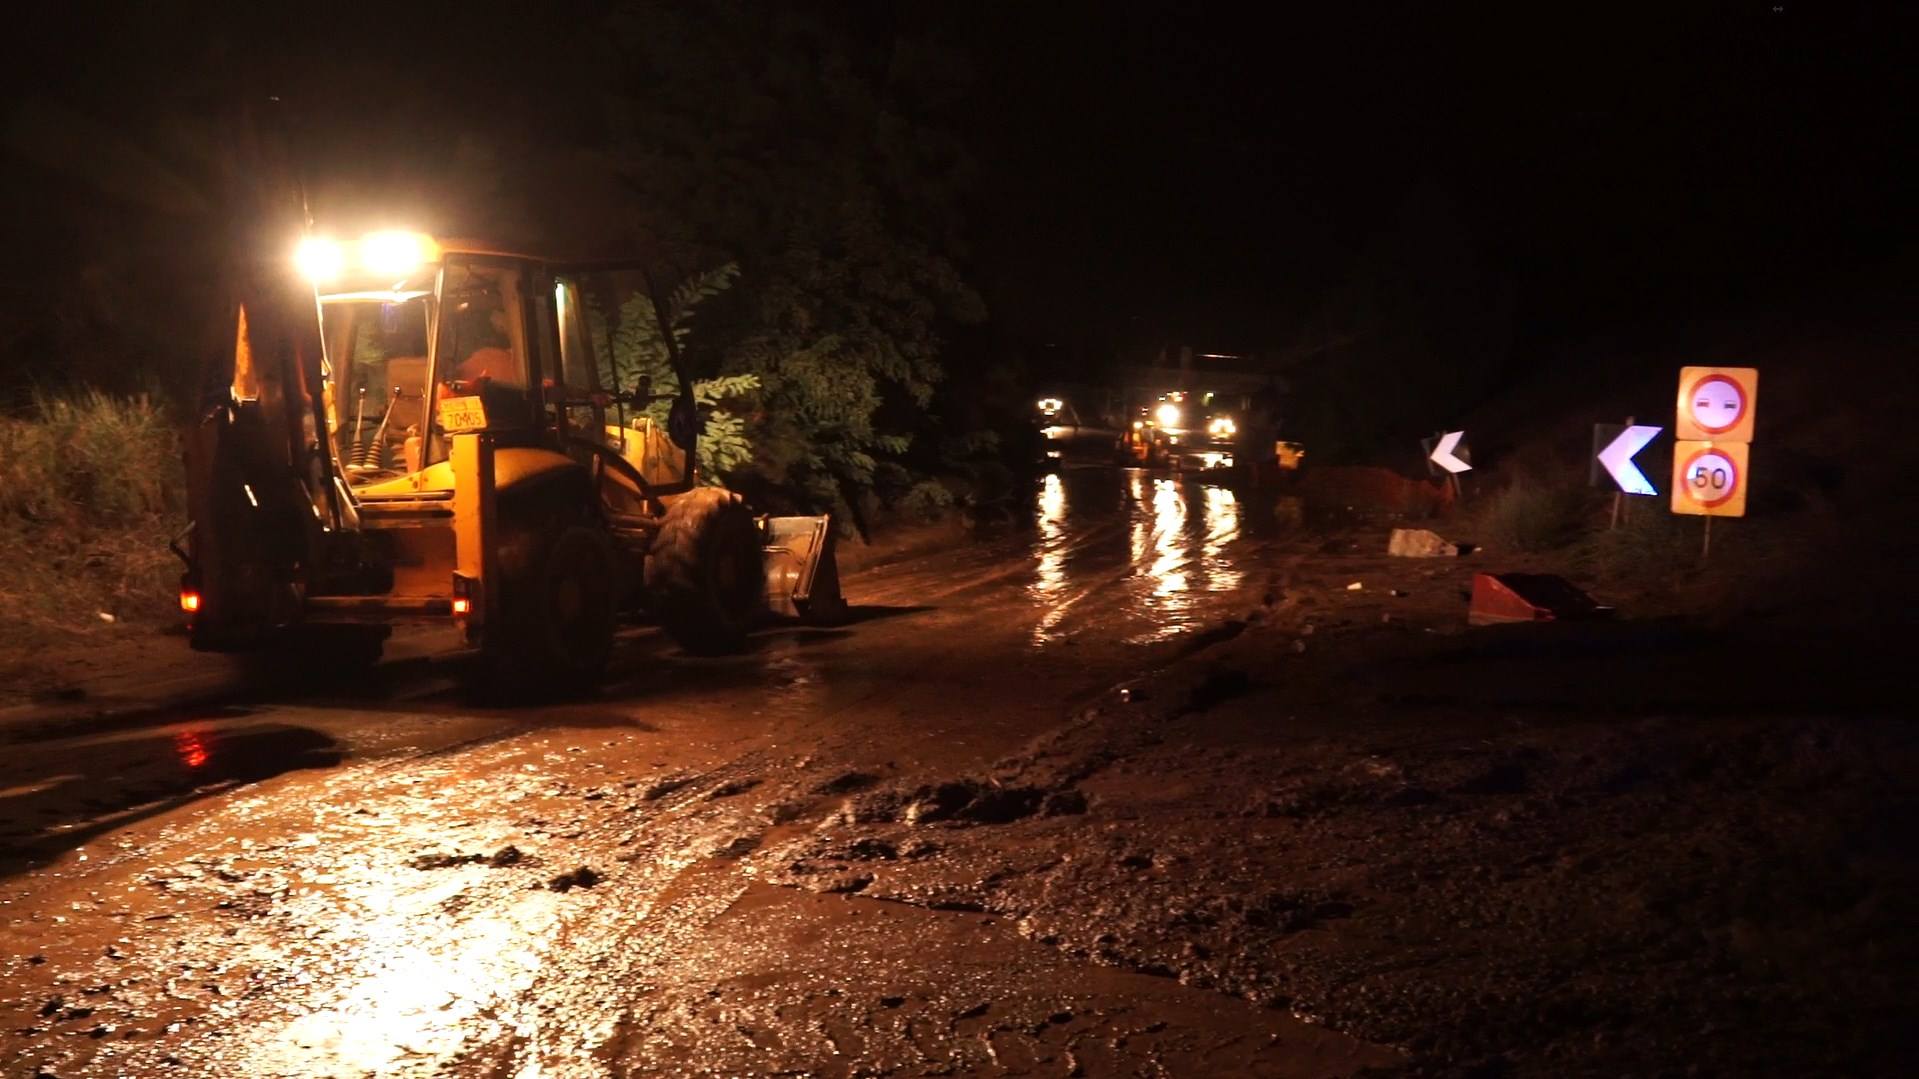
(1519, 849)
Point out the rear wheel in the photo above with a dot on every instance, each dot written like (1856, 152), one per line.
(556, 616)
(705, 576)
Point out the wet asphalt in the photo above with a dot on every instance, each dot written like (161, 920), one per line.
(393, 878)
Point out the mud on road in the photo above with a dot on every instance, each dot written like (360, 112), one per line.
(1144, 788)
(1569, 868)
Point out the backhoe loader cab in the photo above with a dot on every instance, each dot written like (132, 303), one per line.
(425, 432)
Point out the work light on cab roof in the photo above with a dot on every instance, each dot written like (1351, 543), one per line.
(388, 255)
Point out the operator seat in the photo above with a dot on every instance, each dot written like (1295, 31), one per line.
(406, 376)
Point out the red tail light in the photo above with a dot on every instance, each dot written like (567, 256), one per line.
(189, 601)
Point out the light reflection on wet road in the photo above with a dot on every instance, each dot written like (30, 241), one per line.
(317, 886)
(1156, 553)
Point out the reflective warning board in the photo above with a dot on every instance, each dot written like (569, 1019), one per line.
(1709, 479)
(1717, 403)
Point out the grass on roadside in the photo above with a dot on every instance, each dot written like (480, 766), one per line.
(1651, 549)
(1531, 515)
(91, 458)
(1651, 546)
(91, 488)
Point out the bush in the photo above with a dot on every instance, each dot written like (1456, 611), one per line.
(926, 500)
(1650, 546)
(91, 487)
(1529, 515)
(91, 459)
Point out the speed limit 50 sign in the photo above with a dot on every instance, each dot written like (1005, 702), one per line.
(1710, 478)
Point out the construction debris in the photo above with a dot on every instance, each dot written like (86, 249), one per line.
(1422, 543)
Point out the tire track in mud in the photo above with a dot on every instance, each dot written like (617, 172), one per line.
(394, 936)
(1000, 561)
(712, 861)
(515, 972)
(618, 946)
(1155, 697)
(371, 916)
(683, 867)
(1036, 789)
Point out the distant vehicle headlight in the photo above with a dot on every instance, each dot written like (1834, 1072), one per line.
(1167, 415)
(1223, 427)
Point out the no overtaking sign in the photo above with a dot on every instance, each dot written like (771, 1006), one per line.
(1717, 403)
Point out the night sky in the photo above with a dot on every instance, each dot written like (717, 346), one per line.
(1213, 174)
(1152, 175)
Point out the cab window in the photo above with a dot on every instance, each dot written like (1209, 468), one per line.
(376, 351)
(482, 328)
(482, 351)
(576, 355)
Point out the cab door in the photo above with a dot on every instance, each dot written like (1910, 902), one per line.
(575, 397)
(644, 417)
(481, 350)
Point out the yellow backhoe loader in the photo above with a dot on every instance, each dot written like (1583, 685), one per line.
(407, 430)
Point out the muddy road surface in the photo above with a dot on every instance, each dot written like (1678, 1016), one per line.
(1161, 781)
(390, 878)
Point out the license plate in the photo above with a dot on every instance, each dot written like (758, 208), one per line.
(458, 414)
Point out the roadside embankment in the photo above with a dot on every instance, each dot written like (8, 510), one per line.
(91, 490)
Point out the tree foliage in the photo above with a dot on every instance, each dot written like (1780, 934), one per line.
(639, 342)
(812, 158)
(639, 354)
(803, 146)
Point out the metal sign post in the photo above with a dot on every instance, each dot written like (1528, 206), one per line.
(1619, 494)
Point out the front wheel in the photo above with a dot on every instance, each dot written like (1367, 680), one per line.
(705, 575)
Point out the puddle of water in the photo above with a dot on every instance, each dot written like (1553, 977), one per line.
(58, 795)
(1179, 550)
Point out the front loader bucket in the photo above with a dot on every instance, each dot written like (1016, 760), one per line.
(802, 576)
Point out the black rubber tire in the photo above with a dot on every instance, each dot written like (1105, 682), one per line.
(556, 617)
(705, 574)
